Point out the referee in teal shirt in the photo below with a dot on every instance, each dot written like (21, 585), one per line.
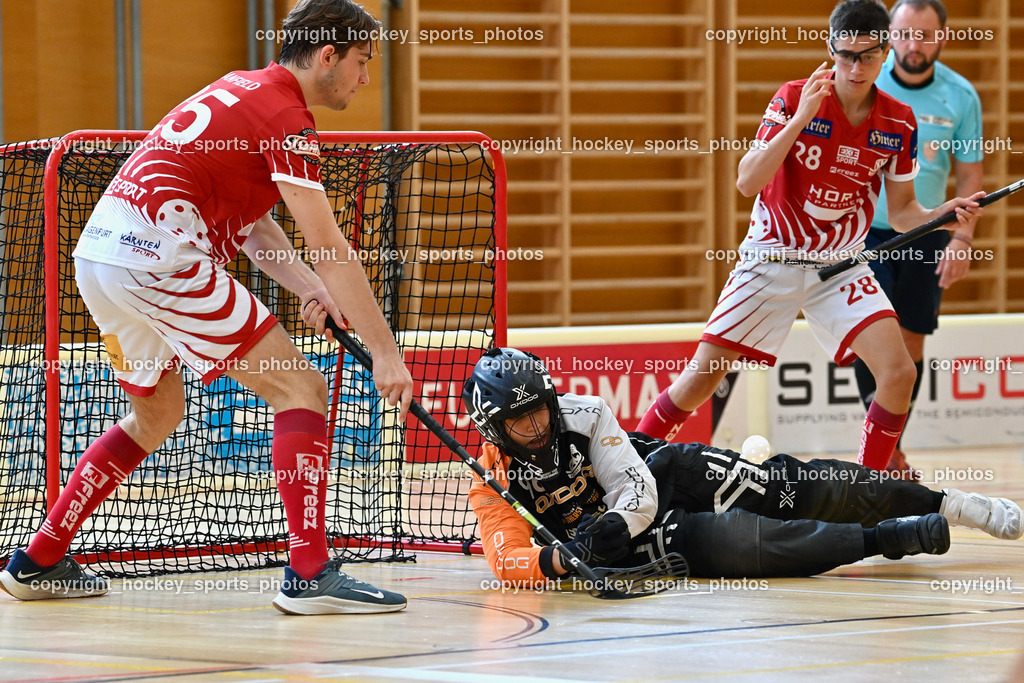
(948, 113)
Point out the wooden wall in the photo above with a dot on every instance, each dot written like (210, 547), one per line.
(59, 63)
(624, 234)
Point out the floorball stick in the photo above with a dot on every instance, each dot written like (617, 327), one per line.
(899, 240)
(601, 586)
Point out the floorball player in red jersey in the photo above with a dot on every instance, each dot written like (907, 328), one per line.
(826, 143)
(150, 267)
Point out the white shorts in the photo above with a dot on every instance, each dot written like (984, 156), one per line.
(149, 322)
(759, 303)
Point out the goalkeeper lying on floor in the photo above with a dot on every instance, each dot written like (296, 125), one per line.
(624, 500)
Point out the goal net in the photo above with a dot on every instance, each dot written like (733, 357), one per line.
(425, 212)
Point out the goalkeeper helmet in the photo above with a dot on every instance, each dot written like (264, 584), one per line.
(509, 384)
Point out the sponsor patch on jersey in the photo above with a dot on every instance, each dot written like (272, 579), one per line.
(879, 139)
(141, 245)
(775, 114)
(114, 352)
(821, 128)
(847, 155)
(575, 461)
(935, 120)
(306, 144)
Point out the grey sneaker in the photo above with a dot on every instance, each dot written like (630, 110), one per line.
(332, 591)
(26, 580)
(999, 517)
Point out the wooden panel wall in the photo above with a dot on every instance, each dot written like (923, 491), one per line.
(624, 235)
(59, 63)
(564, 89)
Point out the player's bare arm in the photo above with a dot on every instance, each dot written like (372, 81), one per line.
(345, 280)
(956, 259)
(760, 164)
(906, 213)
(270, 249)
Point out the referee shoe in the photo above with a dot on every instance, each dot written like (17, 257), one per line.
(26, 580)
(999, 517)
(332, 591)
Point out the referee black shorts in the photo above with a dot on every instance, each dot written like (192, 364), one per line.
(907, 276)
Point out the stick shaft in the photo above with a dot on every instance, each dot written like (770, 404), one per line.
(911, 235)
(435, 427)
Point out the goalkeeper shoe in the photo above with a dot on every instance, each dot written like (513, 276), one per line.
(913, 535)
(999, 517)
(332, 591)
(26, 580)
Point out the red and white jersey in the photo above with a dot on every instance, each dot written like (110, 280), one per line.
(820, 203)
(202, 177)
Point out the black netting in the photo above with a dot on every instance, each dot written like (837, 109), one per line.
(22, 400)
(421, 217)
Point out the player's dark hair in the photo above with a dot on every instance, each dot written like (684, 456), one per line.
(853, 18)
(936, 5)
(312, 24)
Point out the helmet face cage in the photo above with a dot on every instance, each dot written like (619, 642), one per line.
(508, 383)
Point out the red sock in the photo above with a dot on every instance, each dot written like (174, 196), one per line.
(881, 431)
(300, 465)
(663, 419)
(106, 463)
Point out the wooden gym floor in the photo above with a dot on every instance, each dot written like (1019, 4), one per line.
(958, 616)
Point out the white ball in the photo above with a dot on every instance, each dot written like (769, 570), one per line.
(756, 449)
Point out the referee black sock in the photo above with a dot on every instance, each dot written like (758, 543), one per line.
(865, 382)
(919, 366)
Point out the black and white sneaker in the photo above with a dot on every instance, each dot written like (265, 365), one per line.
(332, 591)
(913, 535)
(26, 580)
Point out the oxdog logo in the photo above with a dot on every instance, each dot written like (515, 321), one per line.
(566, 493)
(522, 396)
(306, 144)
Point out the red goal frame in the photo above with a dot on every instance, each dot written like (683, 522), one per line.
(51, 276)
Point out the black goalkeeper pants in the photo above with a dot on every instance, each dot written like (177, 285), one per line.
(784, 517)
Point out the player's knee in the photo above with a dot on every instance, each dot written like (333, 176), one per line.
(903, 374)
(174, 415)
(897, 372)
(318, 386)
(309, 389)
(150, 425)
